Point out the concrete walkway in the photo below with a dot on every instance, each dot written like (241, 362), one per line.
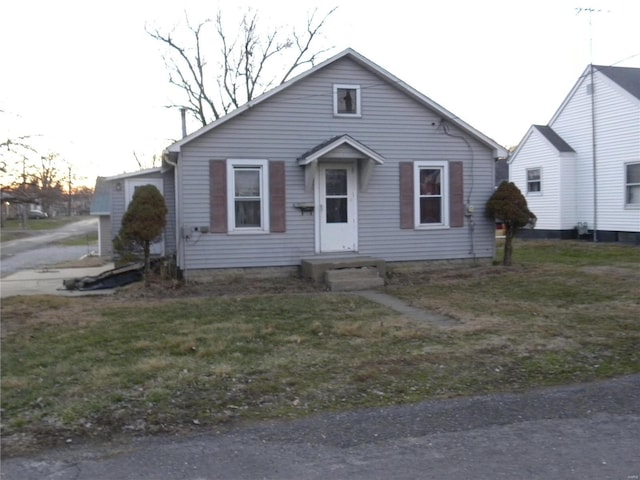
(404, 308)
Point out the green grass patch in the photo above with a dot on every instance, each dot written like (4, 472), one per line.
(104, 366)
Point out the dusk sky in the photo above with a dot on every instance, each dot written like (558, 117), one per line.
(88, 79)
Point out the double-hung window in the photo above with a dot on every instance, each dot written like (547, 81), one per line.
(632, 183)
(534, 180)
(248, 190)
(431, 207)
(346, 100)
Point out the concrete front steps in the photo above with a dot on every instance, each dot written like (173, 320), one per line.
(348, 279)
(345, 273)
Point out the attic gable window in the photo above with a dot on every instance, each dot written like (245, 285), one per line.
(346, 100)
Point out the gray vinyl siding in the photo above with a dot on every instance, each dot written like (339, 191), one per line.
(118, 207)
(287, 125)
(168, 192)
(105, 242)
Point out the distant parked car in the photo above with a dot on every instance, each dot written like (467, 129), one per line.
(37, 214)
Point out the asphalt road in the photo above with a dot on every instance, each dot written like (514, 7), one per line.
(40, 250)
(589, 431)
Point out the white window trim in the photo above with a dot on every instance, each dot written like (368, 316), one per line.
(630, 206)
(526, 182)
(417, 166)
(358, 113)
(264, 197)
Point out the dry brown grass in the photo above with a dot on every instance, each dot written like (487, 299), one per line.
(153, 359)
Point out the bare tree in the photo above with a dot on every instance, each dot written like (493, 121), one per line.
(47, 180)
(27, 176)
(15, 171)
(245, 61)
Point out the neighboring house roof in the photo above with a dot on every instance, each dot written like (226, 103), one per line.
(549, 134)
(499, 151)
(6, 196)
(101, 202)
(139, 173)
(553, 138)
(627, 77)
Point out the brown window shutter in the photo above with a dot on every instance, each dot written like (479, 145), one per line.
(406, 195)
(456, 196)
(218, 195)
(277, 209)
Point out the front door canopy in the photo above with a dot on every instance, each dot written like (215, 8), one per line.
(340, 147)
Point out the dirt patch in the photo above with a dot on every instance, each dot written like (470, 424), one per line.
(160, 289)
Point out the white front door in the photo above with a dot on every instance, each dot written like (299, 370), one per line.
(337, 212)
(157, 247)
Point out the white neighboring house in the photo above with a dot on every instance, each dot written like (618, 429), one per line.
(581, 172)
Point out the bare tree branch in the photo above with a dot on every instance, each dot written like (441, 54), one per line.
(305, 45)
(243, 64)
(196, 91)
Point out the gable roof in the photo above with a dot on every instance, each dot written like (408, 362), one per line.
(139, 173)
(101, 202)
(499, 151)
(549, 134)
(627, 77)
(553, 138)
(335, 142)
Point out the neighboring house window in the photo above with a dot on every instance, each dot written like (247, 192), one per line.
(534, 180)
(632, 184)
(346, 100)
(430, 192)
(248, 189)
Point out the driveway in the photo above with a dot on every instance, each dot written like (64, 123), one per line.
(588, 431)
(30, 265)
(39, 250)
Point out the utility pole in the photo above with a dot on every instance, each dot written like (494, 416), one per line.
(69, 192)
(592, 90)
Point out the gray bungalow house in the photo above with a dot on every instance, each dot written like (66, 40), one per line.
(344, 161)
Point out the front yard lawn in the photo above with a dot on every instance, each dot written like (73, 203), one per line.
(145, 363)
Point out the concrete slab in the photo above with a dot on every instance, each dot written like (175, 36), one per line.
(48, 281)
(349, 279)
(315, 268)
(404, 308)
